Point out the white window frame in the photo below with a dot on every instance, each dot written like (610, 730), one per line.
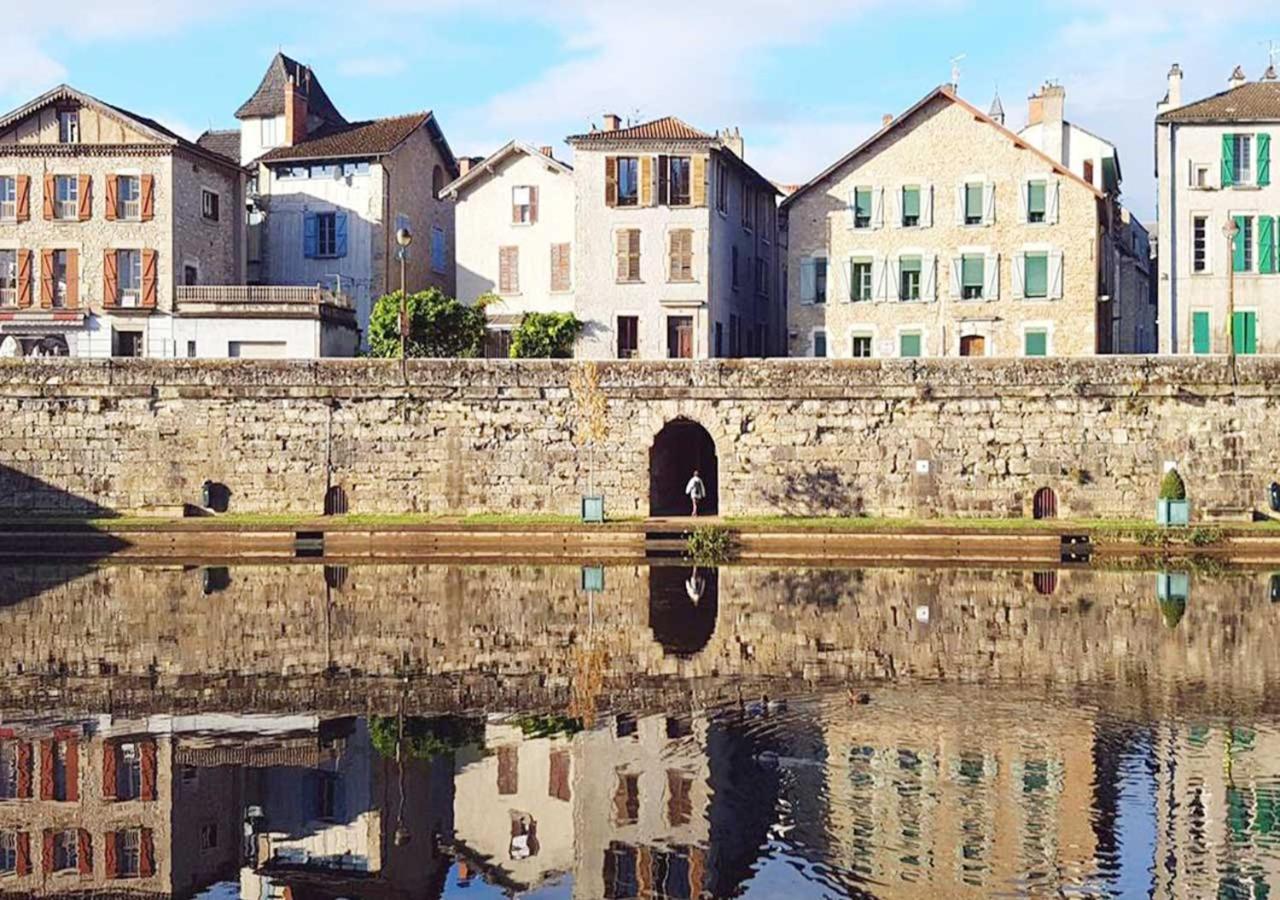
(9, 208)
(526, 208)
(1194, 171)
(205, 194)
(133, 299)
(1208, 243)
(985, 253)
(61, 206)
(9, 295)
(1250, 158)
(857, 331)
(269, 132)
(68, 126)
(321, 251)
(1046, 326)
(128, 210)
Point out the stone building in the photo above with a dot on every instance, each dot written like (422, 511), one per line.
(676, 245)
(1213, 165)
(906, 247)
(515, 224)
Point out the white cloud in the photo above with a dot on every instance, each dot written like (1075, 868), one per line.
(372, 66)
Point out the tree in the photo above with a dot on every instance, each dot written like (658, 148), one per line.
(545, 336)
(591, 411)
(439, 326)
(425, 738)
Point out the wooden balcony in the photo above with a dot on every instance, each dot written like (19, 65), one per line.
(261, 301)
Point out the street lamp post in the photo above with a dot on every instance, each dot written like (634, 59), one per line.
(404, 238)
(1231, 230)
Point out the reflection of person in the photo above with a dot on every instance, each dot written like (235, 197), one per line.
(696, 490)
(695, 586)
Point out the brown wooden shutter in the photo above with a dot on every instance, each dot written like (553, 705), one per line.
(113, 193)
(646, 181)
(623, 252)
(24, 198)
(49, 192)
(610, 181)
(508, 769)
(73, 290)
(24, 279)
(558, 782)
(110, 279)
(560, 273)
(109, 763)
(633, 247)
(24, 770)
(47, 862)
(149, 279)
(73, 747)
(86, 198)
(664, 180)
(111, 853)
(699, 189)
(24, 853)
(146, 854)
(46, 770)
(46, 279)
(84, 852)
(148, 752)
(533, 204)
(148, 197)
(508, 270)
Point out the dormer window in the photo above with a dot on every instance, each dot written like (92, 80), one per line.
(69, 126)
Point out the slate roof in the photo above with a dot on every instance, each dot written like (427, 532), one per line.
(1257, 101)
(268, 99)
(668, 128)
(222, 142)
(373, 138)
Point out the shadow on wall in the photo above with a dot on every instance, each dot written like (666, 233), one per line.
(821, 491)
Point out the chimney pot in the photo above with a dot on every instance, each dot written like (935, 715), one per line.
(612, 121)
(886, 119)
(464, 165)
(1237, 77)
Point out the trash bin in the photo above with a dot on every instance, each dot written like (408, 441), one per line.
(1275, 497)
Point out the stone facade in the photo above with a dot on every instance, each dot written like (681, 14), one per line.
(919, 150)
(893, 438)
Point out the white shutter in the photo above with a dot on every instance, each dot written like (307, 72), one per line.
(853, 206)
(928, 278)
(960, 204)
(848, 280)
(989, 203)
(1051, 202)
(808, 280)
(892, 280)
(1055, 275)
(877, 207)
(1024, 201)
(1019, 275)
(877, 278)
(991, 271)
(926, 206)
(956, 263)
(893, 207)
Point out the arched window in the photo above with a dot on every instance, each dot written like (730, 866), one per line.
(437, 181)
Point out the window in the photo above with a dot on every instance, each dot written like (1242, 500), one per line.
(819, 344)
(626, 800)
(680, 338)
(439, 254)
(67, 196)
(1199, 244)
(861, 347)
(629, 255)
(762, 276)
(129, 197)
(1035, 342)
(911, 206)
(437, 181)
(628, 181)
(722, 186)
(1242, 247)
(69, 126)
(679, 798)
(1088, 170)
(860, 279)
(59, 278)
(973, 197)
(628, 340)
(209, 204)
(1199, 176)
(1036, 275)
(748, 204)
(1242, 159)
(909, 344)
(209, 837)
(8, 293)
(326, 234)
(8, 770)
(129, 277)
(909, 269)
(66, 847)
(862, 208)
(677, 180)
(8, 852)
(191, 349)
(269, 132)
(523, 210)
(8, 197)
(126, 343)
(681, 255)
(508, 270)
(190, 274)
(813, 280)
(973, 345)
(734, 277)
(972, 276)
(561, 267)
(1036, 201)
(129, 853)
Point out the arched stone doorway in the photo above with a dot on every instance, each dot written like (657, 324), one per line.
(681, 447)
(1045, 504)
(683, 605)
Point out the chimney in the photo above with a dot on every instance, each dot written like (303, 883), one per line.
(1237, 77)
(612, 121)
(1047, 107)
(733, 142)
(464, 165)
(295, 113)
(548, 152)
(885, 120)
(1173, 98)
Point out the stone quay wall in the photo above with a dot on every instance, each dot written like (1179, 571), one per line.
(792, 437)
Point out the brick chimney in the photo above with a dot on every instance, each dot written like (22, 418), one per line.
(1048, 107)
(295, 111)
(612, 121)
(548, 152)
(733, 142)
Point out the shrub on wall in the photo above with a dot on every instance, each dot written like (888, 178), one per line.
(440, 327)
(545, 336)
(425, 738)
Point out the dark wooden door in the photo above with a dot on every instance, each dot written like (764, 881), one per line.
(1045, 504)
(973, 345)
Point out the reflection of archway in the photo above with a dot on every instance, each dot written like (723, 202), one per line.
(683, 605)
(681, 447)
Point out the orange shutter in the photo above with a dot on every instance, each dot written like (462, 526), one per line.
(24, 770)
(646, 181)
(149, 278)
(86, 197)
(110, 853)
(699, 191)
(73, 301)
(110, 280)
(24, 853)
(49, 191)
(533, 205)
(113, 192)
(610, 181)
(109, 764)
(24, 281)
(84, 852)
(148, 197)
(24, 198)
(46, 279)
(147, 854)
(47, 862)
(148, 767)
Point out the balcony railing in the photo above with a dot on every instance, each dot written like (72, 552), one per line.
(249, 298)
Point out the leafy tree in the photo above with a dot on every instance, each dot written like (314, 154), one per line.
(439, 326)
(425, 738)
(545, 336)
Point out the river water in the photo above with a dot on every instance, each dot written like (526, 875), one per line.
(487, 730)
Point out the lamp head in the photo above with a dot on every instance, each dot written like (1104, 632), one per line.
(404, 237)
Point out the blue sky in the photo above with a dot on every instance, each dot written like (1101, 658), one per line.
(805, 81)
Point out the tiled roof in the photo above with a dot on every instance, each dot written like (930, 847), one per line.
(668, 128)
(372, 138)
(1254, 100)
(268, 99)
(224, 143)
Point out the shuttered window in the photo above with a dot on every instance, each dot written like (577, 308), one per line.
(681, 262)
(1036, 275)
(911, 206)
(1036, 201)
(508, 270)
(129, 277)
(8, 297)
(1200, 335)
(1242, 246)
(628, 253)
(628, 182)
(675, 180)
(1036, 342)
(524, 205)
(67, 196)
(973, 201)
(909, 269)
(561, 273)
(860, 279)
(862, 207)
(909, 344)
(972, 276)
(8, 198)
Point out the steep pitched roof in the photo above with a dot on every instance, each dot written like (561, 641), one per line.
(944, 92)
(268, 99)
(484, 169)
(1254, 101)
(668, 128)
(373, 138)
(224, 142)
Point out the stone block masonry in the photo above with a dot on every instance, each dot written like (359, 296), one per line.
(792, 437)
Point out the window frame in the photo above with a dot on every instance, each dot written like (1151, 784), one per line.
(680, 269)
(857, 293)
(631, 163)
(522, 213)
(902, 202)
(129, 853)
(1041, 257)
(862, 220)
(134, 268)
(330, 217)
(71, 202)
(911, 332)
(9, 204)
(1200, 222)
(66, 851)
(633, 329)
(8, 852)
(971, 220)
(857, 336)
(509, 288)
(1044, 331)
(816, 336)
(982, 282)
(211, 207)
(68, 126)
(903, 272)
(671, 198)
(1242, 164)
(123, 212)
(1043, 211)
(59, 273)
(9, 278)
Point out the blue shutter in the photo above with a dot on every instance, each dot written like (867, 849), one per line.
(310, 235)
(340, 230)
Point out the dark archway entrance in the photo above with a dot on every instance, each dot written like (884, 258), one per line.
(683, 604)
(681, 447)
(1045, 504)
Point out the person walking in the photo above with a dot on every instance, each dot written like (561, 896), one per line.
(696, 490)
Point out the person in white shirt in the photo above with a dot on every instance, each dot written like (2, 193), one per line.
(696, 490)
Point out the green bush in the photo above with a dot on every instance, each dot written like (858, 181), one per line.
(532, 726)
(709, 545)
(1173, 611)
(440, 327)
(545, 336)
(425, 738)
(1172, 487)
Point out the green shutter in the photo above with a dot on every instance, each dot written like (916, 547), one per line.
(1228, 159)
(1264, 159)
(1036, 275)
(909, 346)
(1037, 343)
(1244, 333)
(1266, 245)
(971, 269)
(911, 202)
(1200, 332)
(1237, 246)
(1035, 200)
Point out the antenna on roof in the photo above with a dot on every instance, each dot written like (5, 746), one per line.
(1273, 50)
(955, 71)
